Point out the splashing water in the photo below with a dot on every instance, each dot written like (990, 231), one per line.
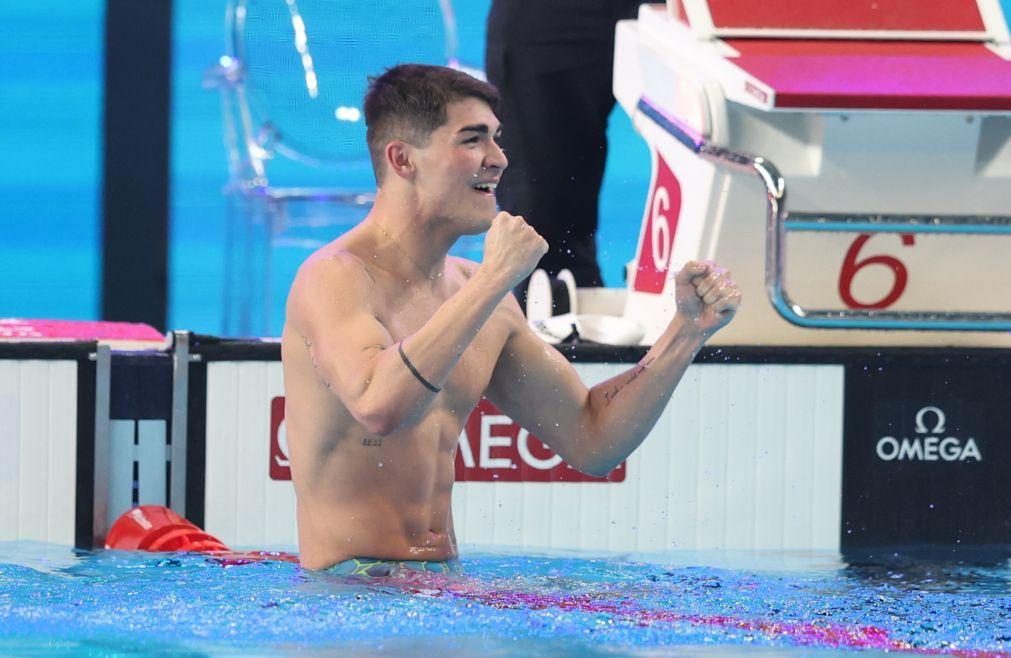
(55, 602)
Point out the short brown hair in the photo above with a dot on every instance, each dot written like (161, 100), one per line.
(409, 101)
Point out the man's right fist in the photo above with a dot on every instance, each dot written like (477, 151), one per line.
(512, 249)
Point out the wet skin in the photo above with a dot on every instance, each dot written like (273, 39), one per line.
(372, 448)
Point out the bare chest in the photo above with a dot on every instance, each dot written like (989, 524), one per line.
(469, 379)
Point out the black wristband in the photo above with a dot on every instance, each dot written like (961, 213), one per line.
(414, 371)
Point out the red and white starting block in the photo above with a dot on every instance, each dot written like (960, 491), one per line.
(885, 125)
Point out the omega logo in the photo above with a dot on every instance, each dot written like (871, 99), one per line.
(929, 421)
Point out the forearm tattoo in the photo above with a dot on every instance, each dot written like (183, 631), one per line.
(617, 388)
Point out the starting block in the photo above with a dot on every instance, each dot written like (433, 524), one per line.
(886, 127)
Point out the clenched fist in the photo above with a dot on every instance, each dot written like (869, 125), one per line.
(512, 249)
(706, 296)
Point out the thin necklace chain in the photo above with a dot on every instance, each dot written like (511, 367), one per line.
(407, 255)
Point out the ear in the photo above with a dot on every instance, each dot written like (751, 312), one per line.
(400, 159)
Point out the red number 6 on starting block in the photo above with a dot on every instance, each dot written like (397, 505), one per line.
(657, 245)
(851, 266)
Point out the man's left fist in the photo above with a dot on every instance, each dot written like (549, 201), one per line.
(706, 296)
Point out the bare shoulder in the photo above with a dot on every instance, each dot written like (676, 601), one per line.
(332, 278)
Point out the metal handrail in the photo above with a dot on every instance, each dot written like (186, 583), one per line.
(857, 223)
(778, 223)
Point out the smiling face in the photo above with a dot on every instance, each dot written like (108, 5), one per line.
(460, 166)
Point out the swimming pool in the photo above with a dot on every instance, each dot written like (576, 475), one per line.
(57, 602)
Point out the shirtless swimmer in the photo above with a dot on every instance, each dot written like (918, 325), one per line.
(389, 342)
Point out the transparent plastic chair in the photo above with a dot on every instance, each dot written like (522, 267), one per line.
(291, 81)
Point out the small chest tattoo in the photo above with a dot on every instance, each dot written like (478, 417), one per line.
(372, 442)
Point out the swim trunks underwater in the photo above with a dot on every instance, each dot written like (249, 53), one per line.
(374, 568)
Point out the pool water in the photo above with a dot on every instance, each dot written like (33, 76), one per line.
(58, 602)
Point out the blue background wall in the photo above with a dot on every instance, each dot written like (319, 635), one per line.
(50, 113)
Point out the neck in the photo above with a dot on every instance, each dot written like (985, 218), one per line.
(413, 245)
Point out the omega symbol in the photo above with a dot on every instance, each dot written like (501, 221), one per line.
(934, 447)
(938, 427)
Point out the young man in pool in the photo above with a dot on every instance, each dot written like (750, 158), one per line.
(389, 342)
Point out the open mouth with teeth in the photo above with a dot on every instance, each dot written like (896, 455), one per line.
(485, 188)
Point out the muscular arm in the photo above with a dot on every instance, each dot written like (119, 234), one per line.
(358, 359)
(595, 429)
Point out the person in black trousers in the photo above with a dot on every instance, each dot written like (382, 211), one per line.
(552, 62)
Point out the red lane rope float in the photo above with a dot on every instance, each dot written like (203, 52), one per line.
(159, 529)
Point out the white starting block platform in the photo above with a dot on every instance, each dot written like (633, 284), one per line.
(884, 127)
